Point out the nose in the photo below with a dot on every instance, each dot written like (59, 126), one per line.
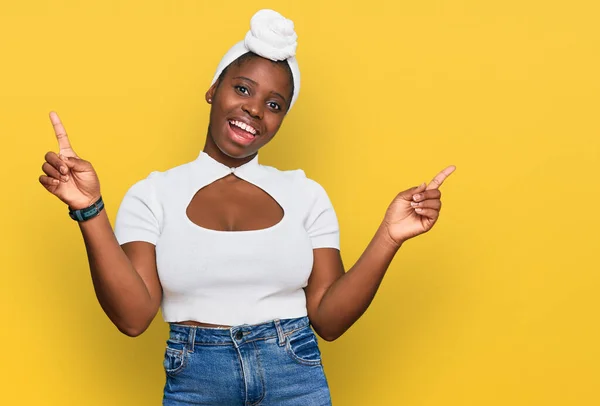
(253, 108)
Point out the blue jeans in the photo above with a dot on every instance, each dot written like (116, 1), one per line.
(272, 363)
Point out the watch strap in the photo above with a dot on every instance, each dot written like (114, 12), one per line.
(88, 212)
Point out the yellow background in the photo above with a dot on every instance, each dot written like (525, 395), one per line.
(497, 305)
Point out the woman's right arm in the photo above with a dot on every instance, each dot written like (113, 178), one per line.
(125, 277)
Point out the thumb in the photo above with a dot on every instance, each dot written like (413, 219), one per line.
(408, 194)
(76, 164)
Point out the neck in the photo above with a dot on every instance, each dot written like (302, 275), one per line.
(211, 148)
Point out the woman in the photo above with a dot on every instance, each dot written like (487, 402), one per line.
(241, 258)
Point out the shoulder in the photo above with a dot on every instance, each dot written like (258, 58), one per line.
(176, 173)
(297, 181)
(165, 180)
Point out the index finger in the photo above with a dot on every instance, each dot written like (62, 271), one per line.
(440, 178)
(61, 133)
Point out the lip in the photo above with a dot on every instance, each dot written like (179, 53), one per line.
(240, 136)
(244, 120)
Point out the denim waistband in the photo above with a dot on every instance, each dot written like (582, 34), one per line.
(236, 334)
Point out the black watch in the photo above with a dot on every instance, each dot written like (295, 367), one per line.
(87, 213)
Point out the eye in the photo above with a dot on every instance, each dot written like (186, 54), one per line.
(242, 89)
(274, 106)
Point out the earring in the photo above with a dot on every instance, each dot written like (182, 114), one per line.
(210, 100)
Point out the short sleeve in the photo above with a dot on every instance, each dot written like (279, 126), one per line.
(140, 215)
(322, 223)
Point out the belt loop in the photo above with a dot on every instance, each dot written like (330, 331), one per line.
(191, 338)
(279, 333)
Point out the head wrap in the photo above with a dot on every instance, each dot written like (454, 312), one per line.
(271, 36)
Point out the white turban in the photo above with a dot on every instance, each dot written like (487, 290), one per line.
(271, 36)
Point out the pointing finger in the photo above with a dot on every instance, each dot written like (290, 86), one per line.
(64, 145)
(441, 177)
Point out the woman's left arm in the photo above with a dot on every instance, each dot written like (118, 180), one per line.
(335, 299)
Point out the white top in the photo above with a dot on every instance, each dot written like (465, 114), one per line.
(229, 277)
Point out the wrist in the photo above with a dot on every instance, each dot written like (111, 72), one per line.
(84, 203)
(93, 222)
(385, 239)
(87, 213)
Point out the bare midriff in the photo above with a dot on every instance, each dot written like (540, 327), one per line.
(199, 324)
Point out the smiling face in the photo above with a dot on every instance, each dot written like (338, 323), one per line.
(249, 103)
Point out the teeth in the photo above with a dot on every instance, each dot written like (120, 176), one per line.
(244, 126)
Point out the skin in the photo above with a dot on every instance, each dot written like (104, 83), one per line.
(256, 92)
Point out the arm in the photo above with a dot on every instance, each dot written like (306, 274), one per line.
(335, 300)
(125, 277)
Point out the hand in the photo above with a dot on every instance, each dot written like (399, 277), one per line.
(68, 177)
(415, 210)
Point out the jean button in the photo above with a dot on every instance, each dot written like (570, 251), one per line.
(239, 335)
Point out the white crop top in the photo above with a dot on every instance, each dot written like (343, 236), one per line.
(229, 277)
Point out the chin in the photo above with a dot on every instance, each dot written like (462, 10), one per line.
(232, 150)
(237, 154)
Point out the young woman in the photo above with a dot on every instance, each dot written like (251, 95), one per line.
(241, 258)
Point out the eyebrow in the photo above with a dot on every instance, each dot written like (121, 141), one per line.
(255, 83)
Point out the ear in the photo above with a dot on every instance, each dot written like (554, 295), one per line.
(210, 93)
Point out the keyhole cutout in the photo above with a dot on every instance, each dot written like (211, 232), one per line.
(233, 204)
